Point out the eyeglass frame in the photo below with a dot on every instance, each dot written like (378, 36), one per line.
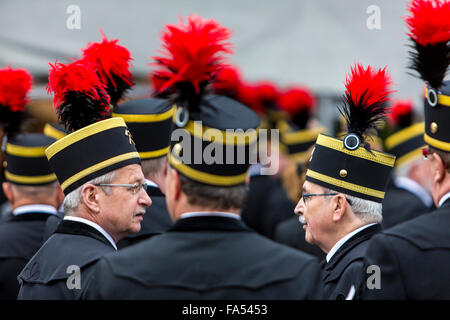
(321, 194)
(135, 186)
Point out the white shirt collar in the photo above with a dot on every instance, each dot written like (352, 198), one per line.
(205, 214)
(44, 208)
(151, 183)
(415, 188)
(443, 199)
(343, 240)
(93, 225)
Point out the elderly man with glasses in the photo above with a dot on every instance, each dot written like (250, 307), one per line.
(98, 168)
(340, 208)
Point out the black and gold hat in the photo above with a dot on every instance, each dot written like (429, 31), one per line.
(150, 122)
(25, 160)
(55, 131)
(97, 144)
(437, 119)
(350, 165)
(214, 136)
(429, 32)
(406, 141)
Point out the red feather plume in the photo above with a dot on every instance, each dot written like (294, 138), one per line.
(112, 63)
(15, 85)
(248, 95)
(227, 81)
(193, 52)
(296, 99)
(366, 96)
(400, 110)
(429, 21)
(80, 97)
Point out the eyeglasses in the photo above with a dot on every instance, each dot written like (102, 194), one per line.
(305, 196)
(137, 187)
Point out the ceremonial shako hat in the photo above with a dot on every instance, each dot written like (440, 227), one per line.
(349, 165)
(214, 135)
(15, 85)
(55, 131)
(298, 103)
(25, 160)
(97, 145)
(150, 123)
(406, 141)
(429, 31)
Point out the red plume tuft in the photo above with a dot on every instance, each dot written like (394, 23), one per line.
(365, 98)
(296, 99)
(248, 95)
(429, 21)
(14, 87)
(227, 81)
(112, 63)
(400, 110)
(80, 97)
(193, 52)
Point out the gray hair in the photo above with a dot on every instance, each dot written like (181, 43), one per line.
(73, 199)
(368, 211)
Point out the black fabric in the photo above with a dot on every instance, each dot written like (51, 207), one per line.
(206, 258)
(52, 224)
(414, 258)
(73, 244)
(267, 204)
(408, 146)
(346, 265)
(291, 233)
(156, 220)
(20, 237)
(400, 205)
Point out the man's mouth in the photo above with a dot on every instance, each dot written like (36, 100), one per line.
(302, 220)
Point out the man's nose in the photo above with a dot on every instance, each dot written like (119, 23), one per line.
(299, 208)
(145, 199)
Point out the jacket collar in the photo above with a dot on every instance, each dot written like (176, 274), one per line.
(209, 223)
(30, 216)
(356, 239)
(82, 229)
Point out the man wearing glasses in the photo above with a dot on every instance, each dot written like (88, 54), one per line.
(340, 208)
(98, 168)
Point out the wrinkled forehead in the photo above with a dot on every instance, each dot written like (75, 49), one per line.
(132, 173)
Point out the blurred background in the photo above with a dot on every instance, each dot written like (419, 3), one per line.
(306, 42)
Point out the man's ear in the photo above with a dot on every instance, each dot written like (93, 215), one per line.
(90, 198)
(339, 205)
(176, 184)
(8, 192)
(59, 195)
(438, 167)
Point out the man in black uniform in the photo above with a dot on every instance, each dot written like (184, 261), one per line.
(34, 195)
(341, 199)
(408, 192)
(150, 123)
(99, 170)
(209, 253)
(414, 257)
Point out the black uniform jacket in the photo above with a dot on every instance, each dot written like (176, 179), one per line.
(46, 275)
(156, 219)
(414, 258)
(400, 205)
(20, 237)
(291, 233)
(206, 258)
(346, 265)
(267, 205)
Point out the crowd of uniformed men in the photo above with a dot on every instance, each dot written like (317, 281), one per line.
(120, 199)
